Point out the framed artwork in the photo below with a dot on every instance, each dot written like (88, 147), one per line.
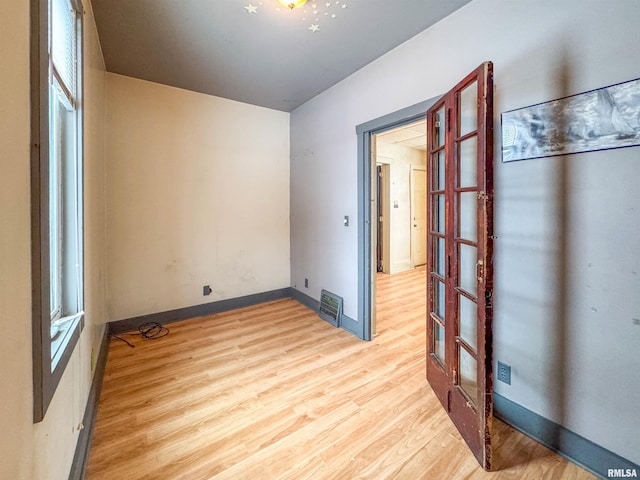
(600, 119)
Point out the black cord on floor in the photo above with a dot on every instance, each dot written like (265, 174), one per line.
(153, 330)
(123, 340)
(148, 330)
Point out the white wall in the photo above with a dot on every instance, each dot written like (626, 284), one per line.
(401, 159)
(45, 450)
(198, 194)
(567, 251)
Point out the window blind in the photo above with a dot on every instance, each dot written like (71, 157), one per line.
(63, 44)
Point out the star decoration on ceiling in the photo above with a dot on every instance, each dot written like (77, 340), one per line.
(312, 12)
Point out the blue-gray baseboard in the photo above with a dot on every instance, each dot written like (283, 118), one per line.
(305, 299)
(129, 324)
(81, 455)
(566, 443)
(350, 325)
(345, 322)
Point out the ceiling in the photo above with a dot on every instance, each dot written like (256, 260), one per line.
(267, 55)
(413, 135)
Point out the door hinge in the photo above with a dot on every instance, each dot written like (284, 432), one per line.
(448, 120)
(448, 400)
(483, 196)
(488, 298)
(480, 271)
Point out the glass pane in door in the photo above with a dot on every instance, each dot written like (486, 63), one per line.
(467, 220)
(438, 341)
(468, 374)
(438, 256)
(438, 305)
(467, 259)
(468, 105)
(467, 162)
(438, 221)
(437, 171)
(468, 328)
(439, 126)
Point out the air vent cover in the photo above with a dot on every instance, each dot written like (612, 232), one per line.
(330, 307)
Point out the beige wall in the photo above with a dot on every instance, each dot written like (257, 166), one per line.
(95, 219)
(45, 450)
(198, 194)
(401, 159)
(16, 441)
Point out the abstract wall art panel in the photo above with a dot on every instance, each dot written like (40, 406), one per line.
(600, 119)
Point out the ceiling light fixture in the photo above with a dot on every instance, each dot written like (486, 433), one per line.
(292, 3)
(319, 11)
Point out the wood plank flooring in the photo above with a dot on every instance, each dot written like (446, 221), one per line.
(274, 392)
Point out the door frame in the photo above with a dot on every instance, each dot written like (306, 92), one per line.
(385, 194)
(363, 326)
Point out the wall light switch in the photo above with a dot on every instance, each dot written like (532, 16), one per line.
(346, 220)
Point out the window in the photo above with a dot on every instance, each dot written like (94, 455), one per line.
(56, 192)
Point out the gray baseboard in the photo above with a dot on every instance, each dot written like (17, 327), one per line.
(305, 299)
(579, 450)
(129, 324)
(81, 456)
(345, 322)
(350, 325)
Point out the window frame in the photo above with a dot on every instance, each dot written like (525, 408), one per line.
(47, 368)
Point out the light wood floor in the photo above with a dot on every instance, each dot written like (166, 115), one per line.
(273, 392)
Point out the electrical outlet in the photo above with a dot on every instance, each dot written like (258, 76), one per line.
(306, 283)
(504, 373)
(206, 290)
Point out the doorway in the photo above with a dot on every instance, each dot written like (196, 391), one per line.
(399, 227)
(364, 325)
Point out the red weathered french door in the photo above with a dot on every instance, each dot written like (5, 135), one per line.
(460, 256)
